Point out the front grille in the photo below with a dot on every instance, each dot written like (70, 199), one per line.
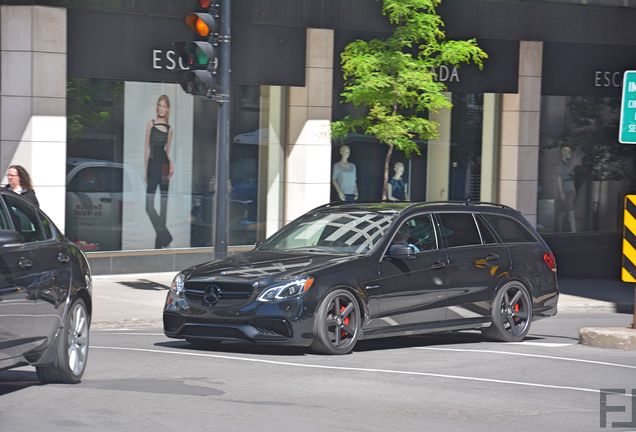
(218, 294)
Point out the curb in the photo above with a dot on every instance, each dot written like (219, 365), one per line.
(620, 338)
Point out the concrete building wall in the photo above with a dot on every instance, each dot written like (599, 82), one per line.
(308, 166)
(33, 100)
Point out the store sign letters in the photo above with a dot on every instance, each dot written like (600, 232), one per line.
(608, 79)
(446, 74)
(166, 60)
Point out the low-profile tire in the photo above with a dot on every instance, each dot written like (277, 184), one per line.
(204, 343)
(71, 348)
(336, 323)
(511, 314)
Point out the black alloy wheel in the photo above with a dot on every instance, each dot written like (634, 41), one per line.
(511, 314)
(337, 323)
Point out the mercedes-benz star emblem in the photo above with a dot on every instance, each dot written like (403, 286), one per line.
(212, 295)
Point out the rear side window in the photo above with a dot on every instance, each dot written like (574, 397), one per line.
(510, 230)
(459, 229)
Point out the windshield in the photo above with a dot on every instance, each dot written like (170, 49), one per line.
(353, 232)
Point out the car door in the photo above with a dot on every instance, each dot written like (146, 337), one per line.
(413, 288)
(17, 295)
(476, 264)
(50, 266)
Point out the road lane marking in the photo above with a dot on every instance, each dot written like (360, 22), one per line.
(527, 355)
(353, 369)
(542, 344)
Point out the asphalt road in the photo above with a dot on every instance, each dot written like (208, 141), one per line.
(139, 380)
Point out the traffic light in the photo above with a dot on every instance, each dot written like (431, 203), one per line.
(200, 55)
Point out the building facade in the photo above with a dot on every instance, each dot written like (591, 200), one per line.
(88, 95)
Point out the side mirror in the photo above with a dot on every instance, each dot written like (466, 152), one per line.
(258, 244)
(9, 237)
(401, 251)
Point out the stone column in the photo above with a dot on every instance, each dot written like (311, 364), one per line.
(308, 158)
(33, 100)
(520, 124)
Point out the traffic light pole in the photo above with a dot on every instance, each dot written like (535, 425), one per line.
(223, 134)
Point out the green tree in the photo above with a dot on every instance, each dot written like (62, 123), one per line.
(393, 80)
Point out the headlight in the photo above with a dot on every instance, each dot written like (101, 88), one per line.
(286, 290)
(178, 285)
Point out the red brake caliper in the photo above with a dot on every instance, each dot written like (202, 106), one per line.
(343, 334)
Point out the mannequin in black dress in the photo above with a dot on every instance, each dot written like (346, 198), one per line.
(159, 169)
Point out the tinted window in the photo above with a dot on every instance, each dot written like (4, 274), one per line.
(459, 229)
(486, 232)
(96, 179)
(25, 219)
(510, 230)
(47, 225)
(417, 232)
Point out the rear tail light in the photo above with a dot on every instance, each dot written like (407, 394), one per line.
(550, 261)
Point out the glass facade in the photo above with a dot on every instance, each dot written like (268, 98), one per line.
(460, 165)
(584, 173)
(141, 163)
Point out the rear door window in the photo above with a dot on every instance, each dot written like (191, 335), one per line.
(510, 230)
(487, 234)
(459, 229)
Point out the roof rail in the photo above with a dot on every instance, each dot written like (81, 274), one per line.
(466, 203)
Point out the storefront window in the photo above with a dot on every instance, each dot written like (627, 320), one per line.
(584, 173)
(141, 163)
(459, 165)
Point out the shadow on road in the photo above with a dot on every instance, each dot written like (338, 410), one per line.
(434, 339)
(16, 380)
(145, 284)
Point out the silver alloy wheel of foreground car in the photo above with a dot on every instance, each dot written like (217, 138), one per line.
(511, 313)
(337, 323)
(71, 348)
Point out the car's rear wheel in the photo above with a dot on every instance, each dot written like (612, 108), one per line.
(336, 323)
(511, 313)
(71, 348)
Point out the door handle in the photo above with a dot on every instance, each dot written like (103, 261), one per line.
(106, 200)
(63, 258)
(24, 263)
(492, 257)
(438, 265)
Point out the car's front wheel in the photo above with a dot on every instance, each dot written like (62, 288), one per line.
(336, 323)
(511, 314)
(71, 348)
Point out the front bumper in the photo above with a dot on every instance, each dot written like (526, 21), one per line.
(288, 322)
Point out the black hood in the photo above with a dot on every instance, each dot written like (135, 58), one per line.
(262, 265)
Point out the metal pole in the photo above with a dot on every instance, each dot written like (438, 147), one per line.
(223, 134)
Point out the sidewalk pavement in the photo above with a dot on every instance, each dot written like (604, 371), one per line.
(136, 300)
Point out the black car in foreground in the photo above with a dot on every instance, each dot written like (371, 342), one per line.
(350, 271)
(45, 294)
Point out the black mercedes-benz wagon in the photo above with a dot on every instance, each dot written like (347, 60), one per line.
(350, 271)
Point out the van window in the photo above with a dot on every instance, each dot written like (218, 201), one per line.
(459, 229)
(96, 180)
(510, 230)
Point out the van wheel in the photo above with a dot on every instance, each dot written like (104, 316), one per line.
(511, 314)
(71, 348)
(336, 323)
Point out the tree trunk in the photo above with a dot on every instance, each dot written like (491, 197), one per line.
(387, 160)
